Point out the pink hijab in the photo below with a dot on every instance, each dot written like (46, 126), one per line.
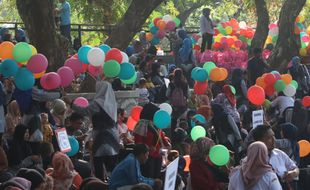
(255, 165)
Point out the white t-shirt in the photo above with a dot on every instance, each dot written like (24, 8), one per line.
(282, 102)
(269, 181)
(206, 26)
(280, 162)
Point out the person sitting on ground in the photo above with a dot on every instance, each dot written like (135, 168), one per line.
(128, 173)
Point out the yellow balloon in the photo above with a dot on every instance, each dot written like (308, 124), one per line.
(301, 18)
(303, 52)
(33, 49)
(228, 30)
(308, 30)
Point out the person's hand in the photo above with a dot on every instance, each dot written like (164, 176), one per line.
(158, 183)
(289, 176)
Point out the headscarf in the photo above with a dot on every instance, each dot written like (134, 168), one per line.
(62, 167)
(200, 148)
(186, 50)
(218, 114)
(13, 109)
(295, 61)
(20, 35)
(182, 34)
(58, 107)
(229, 95)
(34, 176)
(255, 165)
(105, 98)
(17, 183)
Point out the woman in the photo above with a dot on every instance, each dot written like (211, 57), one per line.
(63, 173)
(254, 172)
(157, 80)
(203, 174)
(300, 119)
(12, 119)
(103, 111)
(239, 83)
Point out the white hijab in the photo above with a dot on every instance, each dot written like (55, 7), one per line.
(105, 98)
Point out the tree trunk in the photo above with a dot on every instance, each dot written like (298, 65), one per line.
(131, 23)
(262, 25)
(288, 43)
(39, 21)
(184, 14)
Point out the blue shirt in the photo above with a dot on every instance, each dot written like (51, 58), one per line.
(128, 173)
(65, 14)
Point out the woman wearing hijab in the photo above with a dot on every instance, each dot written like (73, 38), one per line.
(63, 173)
(254, 173)
(106, 143)
(12, 119)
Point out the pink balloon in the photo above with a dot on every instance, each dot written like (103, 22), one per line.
(66, 74)
(81, 102)
(37, 63)
(50, 81)
(305, 38)
(161, 34)
(75, 64)
(273, 25)
(170, 25)
(95, 71)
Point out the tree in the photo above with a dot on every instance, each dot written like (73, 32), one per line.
(288, 43)
(131, 22)
(262, 24)
(186, 8)
(39, 22)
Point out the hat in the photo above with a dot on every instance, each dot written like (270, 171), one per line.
(59, 107)
(33, 176)
(17, 182)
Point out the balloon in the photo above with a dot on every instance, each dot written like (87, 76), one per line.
(82, 54)
(269, 90)
(75, 64)
(304, 148)
(267, 104)
(256, 95)
(224, 74)
(131, 80)
(198, 119)
(111, 68)
(131, 123)
(156, 20)
(228, 30)
(198, 132)
(22, 52)
(149, 36)
(24, 79)
(6, 50)
(219, 155)
(8, 68)
(161, 25)
(81, 102)
(38, 75)
(167, 18)
(166, 107)
(162, 119)
(279, 85)
(171, 25)
(96, 57)
(161, 34)
(200, 75)
(303, 52)
(208, 66)
(155, 41)
(85, 67)
(200, 87)
(260, 82)
(37, 63)
(95, 71)
(66, 75)
(74, 146)
(187, 159)
(114, 54)
(177, 21)
(218, 74)
(33, 50)
(127, 71)
(306, 101)
(154, 30)
(287, 78)
(105, 48)
(124, 57)
(294, 83)
(270, 79)
(50, 81)
(135, 112)
(290, 90)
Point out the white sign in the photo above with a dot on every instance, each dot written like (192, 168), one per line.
(171, 175)
(63, 140)
(257, 118)
(167, 81)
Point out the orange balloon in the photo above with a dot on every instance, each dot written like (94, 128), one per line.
(38, 75)
(260, 82)
(215, 74)
(188, 161)
(304, 148)
(149, 36)
(224, 74)
(161, 25)
(287, 78)
(6, 50)
(131, 123)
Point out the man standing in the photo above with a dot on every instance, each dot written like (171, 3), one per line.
(256, 66)
(65, 27)
(206, 29)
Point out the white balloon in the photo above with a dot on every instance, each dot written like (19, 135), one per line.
(167, 18)
(199, 42)
(242, 25)
(96, 57)
(166, 107)
(125, 57)
(289, 90)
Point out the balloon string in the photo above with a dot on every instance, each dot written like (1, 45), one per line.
(92, 76)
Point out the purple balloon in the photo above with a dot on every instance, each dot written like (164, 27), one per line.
(161, 34)
(171, 25)
(66, 74)
(37, 63)
(75, 64)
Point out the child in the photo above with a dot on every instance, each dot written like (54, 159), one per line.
(46, 128)
(143, 93)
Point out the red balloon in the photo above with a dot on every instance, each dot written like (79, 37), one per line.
(200, 87)
(135, 112)
(131, 123)
(156, 20)
(306, 101)
(114, 54)
(256, 95)
(270, 79)
(85, 67)
(269, 90)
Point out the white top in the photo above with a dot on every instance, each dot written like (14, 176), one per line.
(269, 181)
(206, 26)
(280, 162)
(282, 102)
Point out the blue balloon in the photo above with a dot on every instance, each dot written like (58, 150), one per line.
(9, 68)
(198, 119)
(105, 48)
(193, 72)
(200, 75)
(74, 146)
(154, 30)
(127, 71)
(82, 53)
(162, 119)
(155, 41)
(129, 50)
(24, 79)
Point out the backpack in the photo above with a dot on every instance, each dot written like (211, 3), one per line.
(177, 98)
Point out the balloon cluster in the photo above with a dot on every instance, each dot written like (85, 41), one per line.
(160, 27)
(304, 35)
(23, 63)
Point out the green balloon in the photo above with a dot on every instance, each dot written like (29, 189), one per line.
(177, 21)
(233, 90)
(132, 80)
(267, 104)
(22, 52)
(208, 66)
(294, 84)
(151, 25)
(111, 68)
(219, 155)
(279, 85)
(198, 132)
